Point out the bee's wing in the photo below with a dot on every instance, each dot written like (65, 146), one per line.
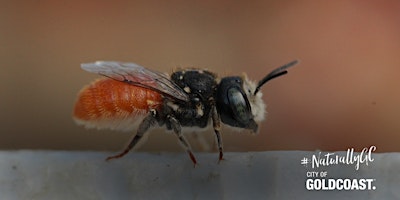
(137, 75)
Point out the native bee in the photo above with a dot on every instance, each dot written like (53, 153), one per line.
(134, 97)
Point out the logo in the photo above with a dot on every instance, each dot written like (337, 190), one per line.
(317, 175)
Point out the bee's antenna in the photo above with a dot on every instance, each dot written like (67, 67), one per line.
(275, 73)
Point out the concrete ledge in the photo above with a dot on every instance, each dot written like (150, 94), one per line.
(254, 175)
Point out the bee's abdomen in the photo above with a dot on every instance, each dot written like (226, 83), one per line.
(107, 103)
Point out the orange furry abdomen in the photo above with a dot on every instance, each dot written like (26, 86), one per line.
(107, 103)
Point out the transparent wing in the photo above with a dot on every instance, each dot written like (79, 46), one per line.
(137, 75)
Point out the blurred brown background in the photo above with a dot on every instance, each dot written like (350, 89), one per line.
(344, 93)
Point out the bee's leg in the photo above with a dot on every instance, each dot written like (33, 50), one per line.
(217, 127)
(176, 127)
(147, 122)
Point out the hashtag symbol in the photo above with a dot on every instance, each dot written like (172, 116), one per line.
(304, 161)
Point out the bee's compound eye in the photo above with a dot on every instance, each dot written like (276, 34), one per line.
(232, 104)
(238, 105)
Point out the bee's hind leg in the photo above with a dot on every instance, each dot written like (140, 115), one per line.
(147, 122)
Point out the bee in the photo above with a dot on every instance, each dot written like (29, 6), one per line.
(133, 97)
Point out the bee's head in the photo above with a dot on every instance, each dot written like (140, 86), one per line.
(239, 100)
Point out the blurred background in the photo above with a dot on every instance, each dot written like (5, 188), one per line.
(343, 94)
